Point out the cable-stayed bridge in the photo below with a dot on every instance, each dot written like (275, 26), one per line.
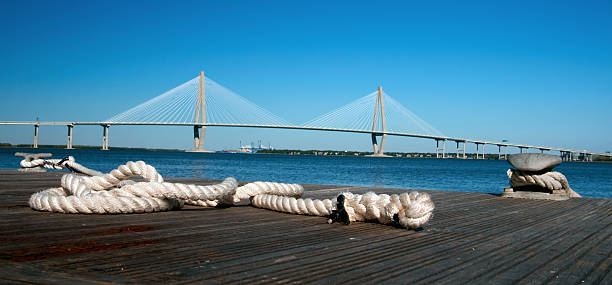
(201, 102)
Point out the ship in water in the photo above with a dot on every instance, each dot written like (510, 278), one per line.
(248, 148)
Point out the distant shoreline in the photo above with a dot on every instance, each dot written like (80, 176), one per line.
(8, 145)
(265, 151)
(488, 156)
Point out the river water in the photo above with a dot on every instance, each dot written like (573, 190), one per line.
(590, 179)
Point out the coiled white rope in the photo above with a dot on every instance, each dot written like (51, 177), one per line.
(99, 194)
(112, 193)
(552, 180)
(409, 210)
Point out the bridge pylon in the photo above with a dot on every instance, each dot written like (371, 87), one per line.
(199, 129)
(379, 107)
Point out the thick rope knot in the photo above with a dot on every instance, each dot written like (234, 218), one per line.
(410, 210)
(417, 208)
(81, 194)
(553, 181)
(139, 168)
(113, 193)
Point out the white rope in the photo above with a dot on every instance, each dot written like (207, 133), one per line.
(56, 164)
(553, 181)
(293, 205)
(112, 193)
(46, 163)
(258, 188)
(409, 210)
(81, 194)
(203, 203)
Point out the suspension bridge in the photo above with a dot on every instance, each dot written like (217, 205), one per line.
(201, 103)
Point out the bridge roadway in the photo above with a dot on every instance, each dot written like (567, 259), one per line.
(437, 138)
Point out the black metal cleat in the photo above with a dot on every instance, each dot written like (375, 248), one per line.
(339, 215)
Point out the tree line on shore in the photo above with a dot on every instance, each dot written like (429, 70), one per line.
(492, 156)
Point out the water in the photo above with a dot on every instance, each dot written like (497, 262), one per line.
(590, 179)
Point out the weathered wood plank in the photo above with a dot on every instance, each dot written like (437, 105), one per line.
(473, 237)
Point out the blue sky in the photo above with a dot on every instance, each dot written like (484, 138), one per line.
(533, 72)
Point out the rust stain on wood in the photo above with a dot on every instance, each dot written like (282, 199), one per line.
(125, 229)
(62, 249)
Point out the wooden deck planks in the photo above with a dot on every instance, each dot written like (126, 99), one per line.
(473, 237)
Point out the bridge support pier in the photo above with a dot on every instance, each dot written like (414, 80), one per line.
(457, 153)
(381, 148)
(562, 155)
(105, 133)
(374, 144)
(478, 156)
(199, 130)
(438, 148)
(483, 151)
(199, 133)
(378, 151)
(444, 149)
(500, 154)
(35, 136)
(69, 142)
(380, 106)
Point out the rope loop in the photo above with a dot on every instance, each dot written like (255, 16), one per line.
(553, 181)
(113, 193)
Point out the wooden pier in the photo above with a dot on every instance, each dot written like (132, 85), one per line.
(472, 238)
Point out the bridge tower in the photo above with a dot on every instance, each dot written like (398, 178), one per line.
(380, 106)
(199, 128)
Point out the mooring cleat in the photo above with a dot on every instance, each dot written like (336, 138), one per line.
(339, 215)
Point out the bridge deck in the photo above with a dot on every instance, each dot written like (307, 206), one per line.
(313, 128)
(472, 238)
